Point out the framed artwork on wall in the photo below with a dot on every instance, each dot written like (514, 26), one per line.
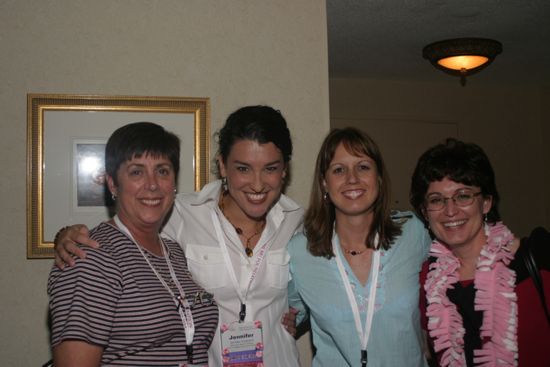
(66, 137)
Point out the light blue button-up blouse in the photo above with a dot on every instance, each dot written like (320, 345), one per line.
(316, 288)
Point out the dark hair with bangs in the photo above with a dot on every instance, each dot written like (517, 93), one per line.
(465, 163)
(320, 215)
(136, 139)
(257, 123)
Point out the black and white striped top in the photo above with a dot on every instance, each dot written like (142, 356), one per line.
(114, 300)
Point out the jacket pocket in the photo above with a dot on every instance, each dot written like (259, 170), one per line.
(207, 266)
(277, 268)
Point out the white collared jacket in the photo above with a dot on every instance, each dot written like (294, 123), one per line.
(190, 224)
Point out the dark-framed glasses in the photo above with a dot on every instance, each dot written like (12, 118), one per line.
(461, 198)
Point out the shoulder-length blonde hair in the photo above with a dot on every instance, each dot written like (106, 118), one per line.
(320, 215)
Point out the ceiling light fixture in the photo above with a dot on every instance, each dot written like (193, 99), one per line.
(462, 56)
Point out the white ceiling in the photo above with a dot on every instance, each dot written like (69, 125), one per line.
(383, 39)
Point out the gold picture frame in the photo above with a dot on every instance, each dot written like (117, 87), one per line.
(61, 129)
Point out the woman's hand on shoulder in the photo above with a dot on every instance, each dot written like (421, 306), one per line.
(289, 321)
(66, 244)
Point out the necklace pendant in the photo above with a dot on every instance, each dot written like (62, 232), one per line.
(353, 252)
(248, 251)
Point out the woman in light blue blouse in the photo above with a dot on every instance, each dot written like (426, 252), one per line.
(355, 269)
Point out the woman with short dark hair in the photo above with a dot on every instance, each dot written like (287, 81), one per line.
(480, 304)
(132, 301)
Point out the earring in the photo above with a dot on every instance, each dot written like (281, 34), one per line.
(113, 196)
(325, 196)
(485, 217)
(224, 184)
(175, 191)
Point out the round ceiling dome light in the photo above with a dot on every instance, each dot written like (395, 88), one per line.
(462, 56)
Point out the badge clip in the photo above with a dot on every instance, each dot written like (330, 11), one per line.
(242, 313)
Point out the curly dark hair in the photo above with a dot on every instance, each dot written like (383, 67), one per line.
(461, 162)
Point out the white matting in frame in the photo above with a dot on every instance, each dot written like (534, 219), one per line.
(88, 170)
(66, 135)
(61, 133)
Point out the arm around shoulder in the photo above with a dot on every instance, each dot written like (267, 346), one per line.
(414, 231)
(173, 227)
(295, 248)
(66, 244)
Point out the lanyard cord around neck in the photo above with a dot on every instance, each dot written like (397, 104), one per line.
(182, 305)
(363, 333)
(229, 266)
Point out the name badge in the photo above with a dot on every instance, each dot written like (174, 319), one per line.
(242, 344)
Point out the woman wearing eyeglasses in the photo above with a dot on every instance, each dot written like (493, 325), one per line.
(480, 305)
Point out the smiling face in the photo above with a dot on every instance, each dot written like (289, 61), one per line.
(254, 175)
(457, 227)
(352, 183)
(145, 192)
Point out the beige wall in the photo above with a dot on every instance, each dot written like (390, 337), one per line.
(235, 52)
(511, 123)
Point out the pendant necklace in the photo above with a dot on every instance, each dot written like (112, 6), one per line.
(248, 249)
(353, 252)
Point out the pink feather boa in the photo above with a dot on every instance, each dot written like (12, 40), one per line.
(495, 296)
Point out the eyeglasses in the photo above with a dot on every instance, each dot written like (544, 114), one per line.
(461, 198)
